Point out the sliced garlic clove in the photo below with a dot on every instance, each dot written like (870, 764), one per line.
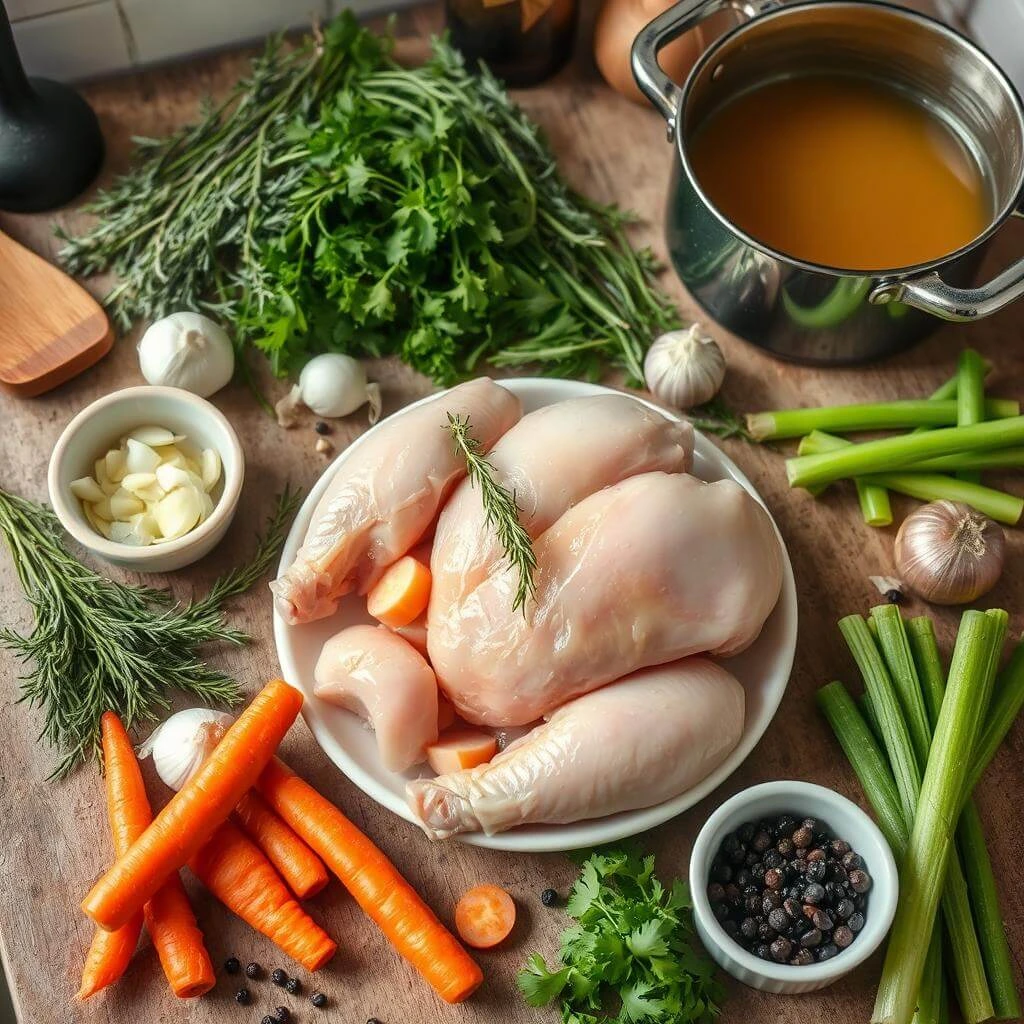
(124, 504)
(103, 510)
(96, 523)
(169, 477)
(153, 436)
(136, 482)
(210, 468)
(208, 507)
(178, 512)
(116, 464)
(145, 527)
(123, 533)
(141, 458)
(99, 472)
(86, 489)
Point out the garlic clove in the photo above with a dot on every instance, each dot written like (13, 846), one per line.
(145, 527)
(178, 512)
(124, 504)
(153, 436)
(99, 525)
(103, 510)
(141, 458)
(138, 482)
(116, 464)
(86, 489)
(210, 465)
(169, 477)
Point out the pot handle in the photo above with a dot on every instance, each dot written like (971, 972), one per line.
(679, 18)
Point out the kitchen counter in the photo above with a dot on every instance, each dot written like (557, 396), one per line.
(56, 839)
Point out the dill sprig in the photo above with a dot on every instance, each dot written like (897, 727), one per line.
(501, 510)
(98, 645)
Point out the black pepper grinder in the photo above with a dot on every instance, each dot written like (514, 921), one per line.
(51, 147)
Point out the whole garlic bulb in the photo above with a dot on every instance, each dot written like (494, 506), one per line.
(188, 351)
(183, 742)
(948, 553)
(684, 368)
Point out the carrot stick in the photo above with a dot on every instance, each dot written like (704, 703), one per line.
(374, 882)
(185, 960)
(195, 811)
(235, 870)
(297, 864)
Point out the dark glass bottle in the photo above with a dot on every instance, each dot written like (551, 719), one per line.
(522, 41)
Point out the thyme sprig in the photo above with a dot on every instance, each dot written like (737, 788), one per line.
(99, 645)
(501, 510)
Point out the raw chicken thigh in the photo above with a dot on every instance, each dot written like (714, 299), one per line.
(386, 496)
(551, 459)
(634, 743)
(648, 571)
(376, 674)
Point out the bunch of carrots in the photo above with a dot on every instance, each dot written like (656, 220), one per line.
(257, 836)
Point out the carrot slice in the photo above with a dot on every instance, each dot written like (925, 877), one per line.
(460, 748)
(297, 864)
(401, 594)
(179, 945)
(484, 916)
(195, 811)
(235, 870)
(374, 882)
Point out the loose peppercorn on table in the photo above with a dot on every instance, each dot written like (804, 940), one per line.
(55, 833)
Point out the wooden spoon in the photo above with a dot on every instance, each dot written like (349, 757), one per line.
(51, 328)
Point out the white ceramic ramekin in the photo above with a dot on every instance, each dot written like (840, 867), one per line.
(845, 820)
(99, 426)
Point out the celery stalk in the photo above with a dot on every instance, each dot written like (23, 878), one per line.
(897, 415)
(877, 456)
(970, 397)
(966, 959)
(874, 501)
(998, 458)
(997, 505)
(924, 867)
(1007, 701)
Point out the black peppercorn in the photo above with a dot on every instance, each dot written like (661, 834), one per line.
(745, 833)
(732, 893)
(802, 958)
(267, 1019)
(770, 900)
(253, 971)
(773, 878)
(821, 921)
(785, 847)
(814, 893)
(748, 928)
(743, 879)
(720, 910)
(318, 999)
(860, 880)
(834, 893)
(811, 823)
(278, 977)
(282, 1015)
(765, 931)
(761, 842)
(844, 909)
(773, 859)
(731, 843)
(242, 997)
(839, 847)
(827, 951)
(763, 950)
(817, 855)
(811, 938)
(852, 861)
(802, 837)
(780, 949)
(784, 826)
(779, 919)
(792, 907)
(549, 898)
(856, 922)
(721, 872)
(894, 596)
(815, 870)
(322, 428)
(842, 936)
(757, 871)
(730, 928)
(231, 965)
(293, 986)
(716, 892)
(373, 1020)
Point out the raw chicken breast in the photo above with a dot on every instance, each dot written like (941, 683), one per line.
(634, 743)
(656, 568)
(386, 496)
(550, 460)
(376, 674)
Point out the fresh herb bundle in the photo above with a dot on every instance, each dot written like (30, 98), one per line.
(98, 645)
(633, 944)
(341, 202)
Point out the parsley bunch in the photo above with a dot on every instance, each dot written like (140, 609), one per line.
(631, 952)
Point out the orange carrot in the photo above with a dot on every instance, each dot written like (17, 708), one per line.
(374, 882)
(195, 811)
(401, 594)
(178, 941)
(484, 916)
(459, 748)
(298, 865)
(186, 962)
(235, 870)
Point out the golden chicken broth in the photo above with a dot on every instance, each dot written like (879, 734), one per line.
(840, 171)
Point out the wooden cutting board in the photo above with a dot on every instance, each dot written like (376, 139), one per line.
(51, 328)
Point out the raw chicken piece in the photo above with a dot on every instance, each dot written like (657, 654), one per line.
(376, 674)
(634, 743)
(551, 459)
(386, 496)
(656, 568)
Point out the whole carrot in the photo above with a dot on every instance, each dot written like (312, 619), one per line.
(169, 918)
(195, 812)
(297, 864)
(235, 870)
(374, 883)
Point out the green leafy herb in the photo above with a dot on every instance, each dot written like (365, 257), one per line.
(633, 946)
(715, 417)
(98, 645)
(500, 509)
(342, 202)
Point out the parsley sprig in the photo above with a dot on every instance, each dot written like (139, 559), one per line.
(631, 958)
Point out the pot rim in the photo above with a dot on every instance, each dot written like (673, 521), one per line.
(924, 21)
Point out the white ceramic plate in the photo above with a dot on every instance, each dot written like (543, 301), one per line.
(763, 669)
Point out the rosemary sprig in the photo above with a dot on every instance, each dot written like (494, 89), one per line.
(99, 645)
(500, 509)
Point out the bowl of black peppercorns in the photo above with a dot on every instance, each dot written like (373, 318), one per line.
(793, 886)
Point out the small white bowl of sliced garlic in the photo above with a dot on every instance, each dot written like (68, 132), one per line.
(148, 477)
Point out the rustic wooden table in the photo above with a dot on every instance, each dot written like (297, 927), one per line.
(55, 842)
